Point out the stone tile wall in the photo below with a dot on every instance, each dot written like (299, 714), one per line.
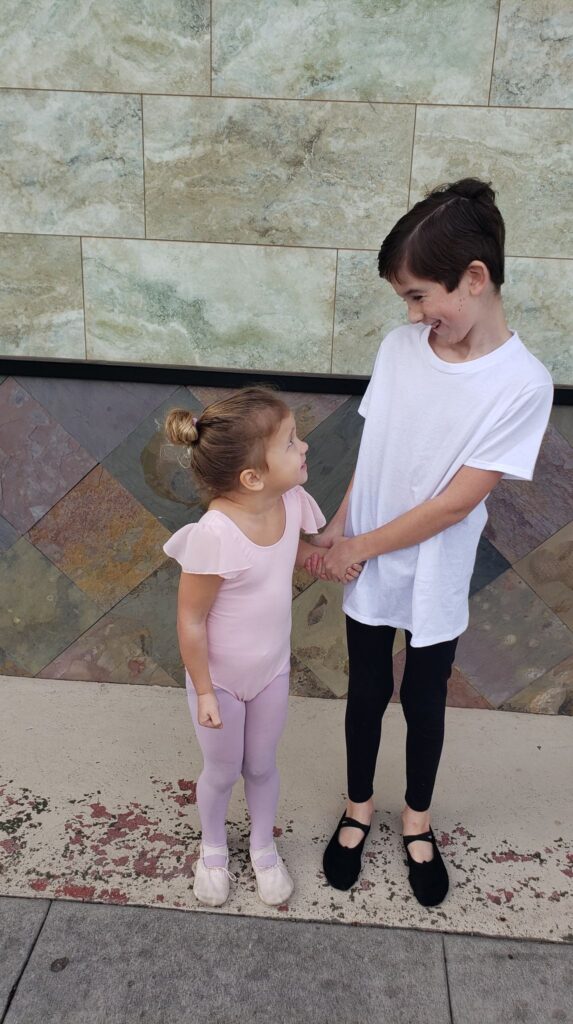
(207, 183)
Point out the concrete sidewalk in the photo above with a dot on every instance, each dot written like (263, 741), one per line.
(74, 963)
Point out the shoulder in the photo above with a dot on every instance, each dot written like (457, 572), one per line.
(301, 504)
(535, 374)
(398, 343)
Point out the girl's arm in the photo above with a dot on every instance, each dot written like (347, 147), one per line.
(335, 528)
(468, 487)
(196, 596)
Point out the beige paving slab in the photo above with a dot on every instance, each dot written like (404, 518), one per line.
(98, 803)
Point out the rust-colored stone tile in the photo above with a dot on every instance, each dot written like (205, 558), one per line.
(115, 650)
(549, 572)
(461, 693)
(39, 461)
(522, 514)
(550, 695)
(102, 538)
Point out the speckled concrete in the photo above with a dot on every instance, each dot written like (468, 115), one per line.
(114, 819)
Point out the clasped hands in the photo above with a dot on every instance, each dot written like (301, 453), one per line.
(338, 562)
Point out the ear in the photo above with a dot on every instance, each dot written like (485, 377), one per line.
(251, 480)
(478, 277)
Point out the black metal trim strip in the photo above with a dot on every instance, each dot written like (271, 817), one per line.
(202, 376)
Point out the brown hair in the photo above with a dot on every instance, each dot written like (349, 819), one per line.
(442, 234)
(227, 437)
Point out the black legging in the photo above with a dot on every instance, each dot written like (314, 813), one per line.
(423, 696)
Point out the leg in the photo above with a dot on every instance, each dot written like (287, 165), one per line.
(265, 721)
(222, 759)
(423, 695)
(370, 687)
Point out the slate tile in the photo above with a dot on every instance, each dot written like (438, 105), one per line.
(102, 538)
(39, 461)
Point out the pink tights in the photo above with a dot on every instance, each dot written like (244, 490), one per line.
(246, 745)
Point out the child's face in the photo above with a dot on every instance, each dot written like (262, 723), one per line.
(451, 315)
(286, 458)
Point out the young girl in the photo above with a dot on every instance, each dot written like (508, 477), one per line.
(455, 403)
(234, 616)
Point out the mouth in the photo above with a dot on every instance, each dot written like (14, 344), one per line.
(303, 465)
(435, 324)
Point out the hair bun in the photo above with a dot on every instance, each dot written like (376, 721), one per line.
(472, 188)
(181, 428)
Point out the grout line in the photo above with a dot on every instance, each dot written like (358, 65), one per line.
(494, 49)
(83, 297)
(292, 99)
(334, 313)
(143, 167)
(248, 245)
(210, 47)
(14, 988)
(412, 157)
(447, 980)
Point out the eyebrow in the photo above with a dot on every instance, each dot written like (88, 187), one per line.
(412, 291)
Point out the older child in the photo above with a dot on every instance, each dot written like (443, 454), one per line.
(234, 616)
(455, 403)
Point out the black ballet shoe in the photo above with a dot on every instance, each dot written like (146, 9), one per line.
(342, 864)
(428, 880)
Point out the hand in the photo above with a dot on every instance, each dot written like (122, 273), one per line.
(338, 564)
(314, 565)
(208, 711)
(328, 537)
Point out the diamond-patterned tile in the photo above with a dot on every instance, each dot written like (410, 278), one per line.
(99, 414)
(562, 419)
(114, 650)
(149, 468)
(41, 610)
(513, 638)
(490, 564)
(552, 694)
(39, 461)
(549, 572)
(8, 535)
(304, 683)
(152, 609)
(319, 635)
(522, 514)
(102, 538)
(333, 450)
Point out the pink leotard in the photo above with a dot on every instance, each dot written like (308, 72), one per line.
(249, 624)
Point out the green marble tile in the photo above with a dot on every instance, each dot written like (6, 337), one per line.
(72, 163)
(332, 173)
(209, 305)
(366, 309)
(533, 55)
(375, 49)
(112, 45)
(537, 300)
(41, 610)
(41, 301)
(526, 154)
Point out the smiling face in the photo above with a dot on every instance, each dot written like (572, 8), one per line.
(286, 458)
(451, 315)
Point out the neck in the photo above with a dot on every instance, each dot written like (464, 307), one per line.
(252, 503)
(489, 332)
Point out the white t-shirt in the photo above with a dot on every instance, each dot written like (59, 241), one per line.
(424, 420)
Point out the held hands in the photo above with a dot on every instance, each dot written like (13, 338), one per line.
(336, 563)
(208, 711)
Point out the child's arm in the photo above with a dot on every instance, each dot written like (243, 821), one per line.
(335, 529)
(196, 596)
(468, 487)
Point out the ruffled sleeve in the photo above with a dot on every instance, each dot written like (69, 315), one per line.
(311, 518)
(210, 547)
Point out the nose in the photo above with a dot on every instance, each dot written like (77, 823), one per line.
(414, 315)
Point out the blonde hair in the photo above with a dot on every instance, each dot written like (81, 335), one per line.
(227, 437)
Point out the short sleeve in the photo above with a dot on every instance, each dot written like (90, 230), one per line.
(209, 547)
(513, 444)
(311, 518)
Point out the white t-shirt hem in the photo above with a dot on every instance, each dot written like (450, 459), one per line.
(514, 472)
(417, 641)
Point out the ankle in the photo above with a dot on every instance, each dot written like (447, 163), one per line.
(361, 812)
(415, 822)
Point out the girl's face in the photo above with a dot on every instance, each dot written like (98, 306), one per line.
(286, 458)
(451, 315)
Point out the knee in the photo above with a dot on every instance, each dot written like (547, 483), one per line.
(221, 776)
(258, 771)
